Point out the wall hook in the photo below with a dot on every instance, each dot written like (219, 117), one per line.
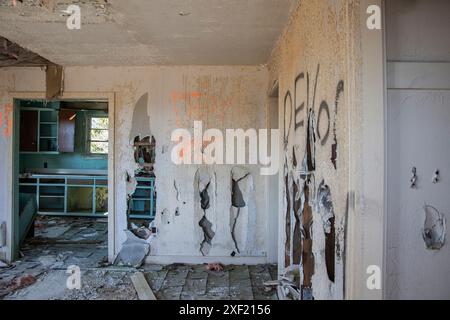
(414, 178)
(436, 176)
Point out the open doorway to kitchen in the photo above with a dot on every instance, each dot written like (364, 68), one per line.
(61, 182)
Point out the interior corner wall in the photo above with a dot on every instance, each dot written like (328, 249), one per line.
(314, 63)
(220, 97)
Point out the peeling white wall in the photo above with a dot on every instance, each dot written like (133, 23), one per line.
(230, 97)
(315, 48)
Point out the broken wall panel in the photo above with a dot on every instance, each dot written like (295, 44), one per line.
(311, 68)
(243, 212)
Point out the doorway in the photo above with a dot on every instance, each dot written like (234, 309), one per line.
(418, 170)
(62, 152)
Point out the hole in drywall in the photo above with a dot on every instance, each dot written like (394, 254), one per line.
(144, 153)
(205, 186)
(239, 193)
(297, 240)
(325, 203)
(307, 254)
(141, 187)
(204, 223)
(433, 232)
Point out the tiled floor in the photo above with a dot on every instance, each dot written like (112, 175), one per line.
(61, 242)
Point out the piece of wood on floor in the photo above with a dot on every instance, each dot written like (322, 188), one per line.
(141, 286)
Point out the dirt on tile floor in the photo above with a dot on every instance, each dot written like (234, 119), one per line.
(41, 273)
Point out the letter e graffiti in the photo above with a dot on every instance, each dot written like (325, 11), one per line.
(374, 20)
(74, 20)
(74, 280)
(374, 279)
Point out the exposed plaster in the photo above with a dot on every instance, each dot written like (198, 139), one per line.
(434, 228)
(141, 120)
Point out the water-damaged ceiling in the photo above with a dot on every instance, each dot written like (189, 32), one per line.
(143, 32)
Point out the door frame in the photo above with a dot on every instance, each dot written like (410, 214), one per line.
(12, 184)
(366, 235)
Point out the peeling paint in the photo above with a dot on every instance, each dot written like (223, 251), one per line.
(141, 119)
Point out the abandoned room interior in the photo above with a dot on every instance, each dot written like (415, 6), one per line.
(210, 149)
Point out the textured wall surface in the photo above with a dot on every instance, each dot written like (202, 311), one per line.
(221, 97)
(310, 63)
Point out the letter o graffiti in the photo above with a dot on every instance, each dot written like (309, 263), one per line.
(287, 127)
(323, 106)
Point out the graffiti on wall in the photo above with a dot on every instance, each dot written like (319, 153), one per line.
(6, 120)
(302, 196)
(194, 105)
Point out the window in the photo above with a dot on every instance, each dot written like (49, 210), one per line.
(98, 135)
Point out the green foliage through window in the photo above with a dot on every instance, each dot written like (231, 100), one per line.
(98, 135)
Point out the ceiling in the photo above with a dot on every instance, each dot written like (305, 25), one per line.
(146, 32)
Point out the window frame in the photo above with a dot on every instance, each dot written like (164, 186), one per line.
(88, 134)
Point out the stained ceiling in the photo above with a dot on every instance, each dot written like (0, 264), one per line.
(148, 32)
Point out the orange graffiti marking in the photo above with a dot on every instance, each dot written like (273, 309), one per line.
(196, 106)
(6, 120)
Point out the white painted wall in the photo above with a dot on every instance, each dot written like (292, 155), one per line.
(230, 97)
(418, 53)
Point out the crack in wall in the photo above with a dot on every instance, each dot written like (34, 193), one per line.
(176, 190)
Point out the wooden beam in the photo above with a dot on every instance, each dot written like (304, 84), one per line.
(141, 286)
(54, 77)
(13, 55)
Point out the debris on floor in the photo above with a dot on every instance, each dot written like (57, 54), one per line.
(288, 286)
(143, 290)
(141, 232)
(41, 273)
(214, 267)
(133, 252)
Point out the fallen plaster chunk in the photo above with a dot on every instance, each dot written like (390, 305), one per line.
(141, 232)
(288, 284)
(133, 252)
(433, 232)
(141, 286)
(3, 264)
